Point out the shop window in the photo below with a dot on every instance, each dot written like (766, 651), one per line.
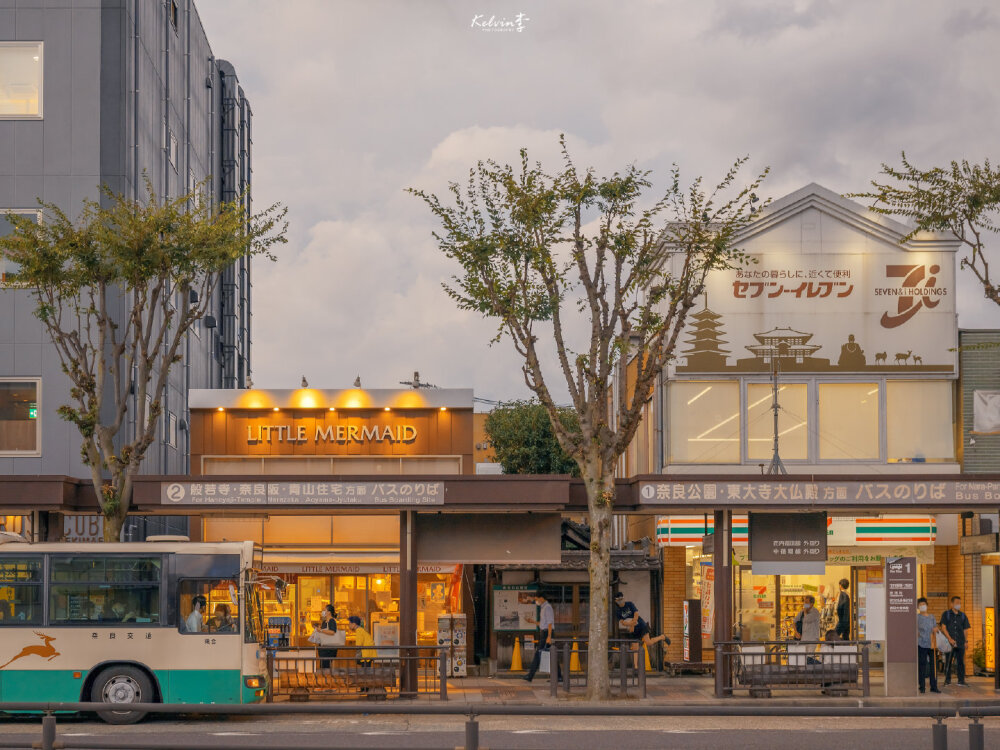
(793, 423)
(20, 427)
(848, 421)
(20, 591)
(704, 422)
(21, 77)
(104, 590)
(919, 424)
(208, 607)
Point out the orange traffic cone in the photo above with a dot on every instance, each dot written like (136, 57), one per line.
(574, 658)
(515, 660)
(649, 666)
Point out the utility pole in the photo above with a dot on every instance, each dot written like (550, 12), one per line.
(776, 467)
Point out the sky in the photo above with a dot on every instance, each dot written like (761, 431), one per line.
(356, 100)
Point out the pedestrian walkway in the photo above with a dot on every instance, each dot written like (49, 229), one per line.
(701, 689)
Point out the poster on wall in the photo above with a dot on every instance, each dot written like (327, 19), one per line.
(707, 600)
(514, 607)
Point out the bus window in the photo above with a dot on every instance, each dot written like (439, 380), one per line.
(209, 606)
(105, 590)
(20, 591)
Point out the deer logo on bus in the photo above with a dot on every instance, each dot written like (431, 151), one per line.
(47, 651)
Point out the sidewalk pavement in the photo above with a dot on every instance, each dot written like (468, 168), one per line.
(686, 689)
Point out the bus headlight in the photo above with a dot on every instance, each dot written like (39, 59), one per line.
(252, 682)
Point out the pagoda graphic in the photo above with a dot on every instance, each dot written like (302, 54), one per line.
(706, 352)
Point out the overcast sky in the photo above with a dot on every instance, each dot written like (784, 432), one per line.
(356, 100)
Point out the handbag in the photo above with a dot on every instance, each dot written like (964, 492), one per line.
(315, 637)
(943, 644)
(544, 661)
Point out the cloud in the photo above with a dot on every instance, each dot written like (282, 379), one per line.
(355, 101)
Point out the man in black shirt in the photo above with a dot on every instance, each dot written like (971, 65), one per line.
(627, 615)
(954, 623)
(844, 611)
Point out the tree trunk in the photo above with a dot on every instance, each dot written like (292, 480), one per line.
(600, 485)
(113, 525)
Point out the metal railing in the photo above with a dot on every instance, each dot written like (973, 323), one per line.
(300, 673)
(626, 665)
(835, 667)
(51, 741)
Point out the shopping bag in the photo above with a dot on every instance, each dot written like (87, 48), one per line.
(544, 662)
(943, 644)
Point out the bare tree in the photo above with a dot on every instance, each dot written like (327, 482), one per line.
(160, 261)
(537, 250)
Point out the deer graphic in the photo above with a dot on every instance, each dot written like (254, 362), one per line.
(47, 651)
(903, 357)
(918, 360)
(880, 357)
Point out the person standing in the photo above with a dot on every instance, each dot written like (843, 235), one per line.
(546, 623)
(954, 623)
(926, 628)
(328, 627)
(807, 621)
(844, 611)
(195, 618)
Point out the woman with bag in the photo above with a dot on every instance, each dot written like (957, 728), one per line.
(327, 636)
(926, 629)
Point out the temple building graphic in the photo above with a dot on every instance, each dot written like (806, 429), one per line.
(794, 350)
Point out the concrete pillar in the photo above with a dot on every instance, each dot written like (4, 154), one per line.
(722, 562)
(408, 601)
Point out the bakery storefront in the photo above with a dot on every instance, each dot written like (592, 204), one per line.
(345, 491)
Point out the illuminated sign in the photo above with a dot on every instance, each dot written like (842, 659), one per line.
(341, 433)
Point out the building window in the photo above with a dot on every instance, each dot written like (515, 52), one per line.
(793, 421)
(20, 427)
(919, 424)
(704, 422)
(848, 421)
(21, 80)
(171, 428)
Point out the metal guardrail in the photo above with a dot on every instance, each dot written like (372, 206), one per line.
(50, 740)
(300, 673)
(626, 664)
(835, 667)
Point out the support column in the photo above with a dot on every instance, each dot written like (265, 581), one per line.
(408, 602)
(722, 562)
(996, 629)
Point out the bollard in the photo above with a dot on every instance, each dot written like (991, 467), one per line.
(472, 733)
(977, 739)
(270, 676)
(567, 658)
(48, 732)
(939, 734)
(642, 673)
(443, 667)
(866, 684)
(553, 669)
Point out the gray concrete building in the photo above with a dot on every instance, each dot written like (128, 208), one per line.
(113, 92)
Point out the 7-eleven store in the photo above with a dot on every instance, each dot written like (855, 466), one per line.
(766, 605)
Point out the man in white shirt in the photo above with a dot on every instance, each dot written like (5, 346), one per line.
(546, 622)
(196, 618)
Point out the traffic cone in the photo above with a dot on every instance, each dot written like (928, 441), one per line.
(574, 659)
(649, 666)
(515, 660)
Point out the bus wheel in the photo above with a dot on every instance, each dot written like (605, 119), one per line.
(122, 685)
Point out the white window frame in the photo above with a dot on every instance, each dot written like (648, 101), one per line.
(40, 46)
(38, 418)
(20, 212)
(170, 423)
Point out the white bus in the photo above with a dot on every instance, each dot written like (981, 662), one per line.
(160, 621)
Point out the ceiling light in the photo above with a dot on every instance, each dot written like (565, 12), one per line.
(332, 409)
(444, 408)
(276, 409)
(222, 408)
(387, 409)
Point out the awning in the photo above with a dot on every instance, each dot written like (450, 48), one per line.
(341, 562)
